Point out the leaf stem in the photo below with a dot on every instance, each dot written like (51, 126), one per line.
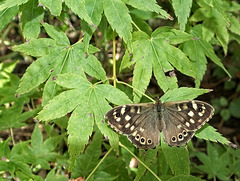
(118, 81)
(120, 144)
(13, 141)
(121, 82)
(114, 61)
(99, 164)
(136, 26)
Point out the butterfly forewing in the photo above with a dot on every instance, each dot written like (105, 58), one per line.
(140, 122)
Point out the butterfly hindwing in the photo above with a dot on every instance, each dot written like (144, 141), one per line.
(138, 122)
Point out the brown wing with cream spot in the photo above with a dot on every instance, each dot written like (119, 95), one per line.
(181, 120)
(140, 122)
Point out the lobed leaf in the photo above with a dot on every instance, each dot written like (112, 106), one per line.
(81, 121)
(100, 106)
(94, 10)
(57, 35)
(86, 162)
(182, 10)
(183, 93)
(11, 3)
(172, 55)
(7, 15)
(89, 64)
(127, 61)
(110, 93)
(55, 6)
(193, 49)
(121, 21)
(150, 5)
(185, 178)
(61, 104)
(70, 80)
(78, 7)
(36, 47)
(171, 35)
(147, 157)
(36, 138)
(32, 14)
(177, 158)
(207, 132)
(39, 71)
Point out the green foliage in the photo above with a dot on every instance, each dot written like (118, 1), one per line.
(218, 162)
(69, 75)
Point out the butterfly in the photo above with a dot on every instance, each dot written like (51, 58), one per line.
(142, 123)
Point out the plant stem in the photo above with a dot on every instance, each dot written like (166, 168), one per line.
(136, 90)
(11, 131)
(99, 164)
(120, 144)
(114, 61)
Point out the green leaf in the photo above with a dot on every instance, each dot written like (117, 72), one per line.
(94, 9)
(62, 104)
(32, 14)
(78, 7)
(36, 47)
(235, 26)
(89, 64)
(71, 80)
(206, 48)
(214, 163)
(60, 60)
(147, 157)
(182, 93)
(225, 114)
(110, 93)
(174, 56)
(150, 5)
(39, 71)
(157, 53)
(116, 167)
(43, 150)
(121, 21)
(74, 61)
(13, 117)
(52, 176)
(4, 148)
(91, 98)
(143, 69)
(11, 3)
(207, 132)
(7, 15)
(55, 6)
(59, 36)
(81, 121)
(182, 10)
(104, 176)
(215, 21)
(177, 158)
(36, 138)
(86, 162)
(127, 61)
(185, 178)
(171, 35)
(193, 48)
(100, 107)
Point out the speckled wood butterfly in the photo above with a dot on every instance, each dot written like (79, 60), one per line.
(143, 122)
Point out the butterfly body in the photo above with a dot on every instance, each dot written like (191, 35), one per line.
(144, 122)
